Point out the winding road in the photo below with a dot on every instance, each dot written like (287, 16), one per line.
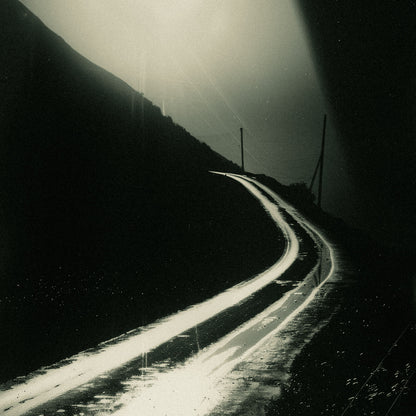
(173, 367)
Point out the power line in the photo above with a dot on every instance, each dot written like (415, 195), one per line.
(376, 369)
(401, 392)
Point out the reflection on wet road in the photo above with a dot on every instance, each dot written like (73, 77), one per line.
(175, 366)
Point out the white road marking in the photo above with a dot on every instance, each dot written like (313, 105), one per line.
(86, 366)
(193, 389)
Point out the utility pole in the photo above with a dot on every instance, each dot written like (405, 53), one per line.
(242, 149)
(320, 166)
(322, 163)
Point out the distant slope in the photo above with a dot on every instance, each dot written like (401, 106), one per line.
(109, 218)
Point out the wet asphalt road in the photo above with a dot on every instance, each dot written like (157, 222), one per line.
(280, 299)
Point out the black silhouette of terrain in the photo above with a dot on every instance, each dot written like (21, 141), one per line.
(110, 218)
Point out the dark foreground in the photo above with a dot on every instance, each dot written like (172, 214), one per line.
(191, 247)
(363, 362)
(105, 388)
(109, 218)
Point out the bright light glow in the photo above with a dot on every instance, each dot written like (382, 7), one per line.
(214, 65)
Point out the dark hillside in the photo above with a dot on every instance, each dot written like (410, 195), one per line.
(109, 218)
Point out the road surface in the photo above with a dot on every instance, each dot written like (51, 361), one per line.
(174, 366)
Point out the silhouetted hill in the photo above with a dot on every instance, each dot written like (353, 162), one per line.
(109, 217)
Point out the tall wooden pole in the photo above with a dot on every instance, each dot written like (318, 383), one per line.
(242, 149)
(322, 164)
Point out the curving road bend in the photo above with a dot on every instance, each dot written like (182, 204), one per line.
(174, 366)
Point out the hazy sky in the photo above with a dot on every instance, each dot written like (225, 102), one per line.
(215, 66)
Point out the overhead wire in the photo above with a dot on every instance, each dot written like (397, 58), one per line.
(233, 135)
(404, 387)
(379, 365)
(227, 103)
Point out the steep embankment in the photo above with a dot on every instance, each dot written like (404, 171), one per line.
(109, 218)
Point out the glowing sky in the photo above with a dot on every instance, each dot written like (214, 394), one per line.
(214, 66)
